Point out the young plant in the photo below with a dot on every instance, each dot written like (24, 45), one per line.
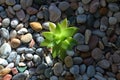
(59, 38)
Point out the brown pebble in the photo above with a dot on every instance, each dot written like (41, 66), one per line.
(36, 26)
(118, 76)
(103, 11)
(15, 42)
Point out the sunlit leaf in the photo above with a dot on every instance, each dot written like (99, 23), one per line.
(52, 26)
(47, 43)
(48, 35)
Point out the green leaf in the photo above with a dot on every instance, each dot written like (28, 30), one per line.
(55, 51)
(48, 35)
(64, 24)
(68, 32)
(52, 26)
(47, 43)
(62, 54)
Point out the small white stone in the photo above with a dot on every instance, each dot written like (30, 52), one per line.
(11, 65)
(22, 31)
(14, 23)
(5, 22)
(49, 60)
(3, 62)
(29, 56)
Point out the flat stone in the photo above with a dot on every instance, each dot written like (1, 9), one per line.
(54, 12)
(12, 56)
(19, 76)
(98, 33)
(83, 48)
(10, 2)
(82, 68)
(58, 68)
(40, 68)
(68, 61)
(17, 7)
(4, 33)
(31, 10)
(5, 22)
(10, 65)
(26, 3)
(74, 69)
(104, 64)
(87, 36)
(90, 71)
(53, 78)
(94, 6)
(81, 18)
(17, 60)
(26, 38)
(113, 7)
(77, 60)
(97, 53)
(79, 38)
(63, 5)
(112, 20)
(20, 14)
(80, 10)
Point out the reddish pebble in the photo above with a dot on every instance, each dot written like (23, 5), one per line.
(32, 43)
(103, 11)
(7, 77)
(14, 70)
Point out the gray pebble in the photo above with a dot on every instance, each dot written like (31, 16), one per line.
(91, 71)
(3, 62)
(98, 33)
(48, 72)
(99, 69)
(77, 60)
(53, 78)
(39, 39)
(82, 68)
(4, 33)
(29, 50)
(70, 52)
(99, 77)
(39, 51)
(22, 31)
(113, 7)
(83, 48)
(40, 68)
(33, 18)
(14, 23)
(74, 70)
(79, 38)
(112, 20)
(81, 18)
(12, 56)
(1, 8)
(104, 64)
(117, 14)
(80, 10)
(10, 2)
(5, 22)
(40, 15)
(21, 50)
(19, 76)
(3, 14)
(17, 60)
(86, 1)
(28, 56)
(85, 77)
(17, 7)
(63, 5)
(36, 58)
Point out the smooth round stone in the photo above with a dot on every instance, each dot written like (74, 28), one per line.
(28, 56)
(22, 64)
(22, 31)
(112, 20)
(5, 50)
(10, 65)
(36, 58)
(85, 77)
(46, 25)
(3, 14)
(17, 7)
(58, 68)
(4, 71)
(39, 39)
(116, 58)
(1, 8)
(86, 1)
(54, 13)
(19, 76)
(117, 14)
(87, 36)
(20, 15)
(4, 33)
(90, 20)
(77, 60)
(81, 18)
(12, 56)
(14, 23)
(48, 72)
(99, 77)
(94, 6)
(79, 38)
(3, 62)
(5, 22)
(7, 77)
(63, 5)
(29, 50)
(49, 60)
(33, 78)
(36, 26)
(113, 7)
(41, 68)
(70, 52)
(10, 2)
(82, 68)
(104, 64)
(30, 64)
(39, 51)
(98, 33)
(15, 42)
(26, 38)
(74, 69)
(99, 69)
(68, 61)
(97, 53)
(53, 78)
(83, 48)
(90, 71)
(13, 34)
(17, 60)
(21, 50)
(80, 10)
(40, 15)
(31, 10)
(26, 3)
(33, 18)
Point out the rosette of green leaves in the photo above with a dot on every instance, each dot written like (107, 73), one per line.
(59, 38)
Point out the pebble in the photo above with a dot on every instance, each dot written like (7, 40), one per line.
(10, 10)
(83, 48)
(12, 56)
(3, 14)
(68, 61)
(19, 76)
(98, 33)
(81, 18)
(14, 71)
(99, 69)
(87, 36)
(48, 60)
(112, 20)
(22, 31)
(90, 71)
(74, 69)
(20, 15)
(86, 1)
(85, 77)
(58, 68)
(5, 50)
(28, 56)
(104, 64)
(39, 51)
(80, 10)
(41, 68)
(94, 6)
(36, 26)
(15, 42)
(116, 58)
(17, 60)
(118, 76)
(113, 7)
(53, 78)
(117, 14)
(36, 58)
(3, 62)
(26, 3)
(14, 23)
(26, 38)
(4, 71)
(63, 5)
(10, 65)
(10, 2)
(4, 33)
(97, 53)
(40, 15)
(5, 22)
(7, 77)
(77, 60)
(82, 68)
(70, 52)
(31, 10)
(13, 34)
(17, 7)
(79, 38)
(54, 12)
(99, 77)
(48, 72)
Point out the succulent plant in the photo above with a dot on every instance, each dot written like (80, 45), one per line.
(59, 38)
